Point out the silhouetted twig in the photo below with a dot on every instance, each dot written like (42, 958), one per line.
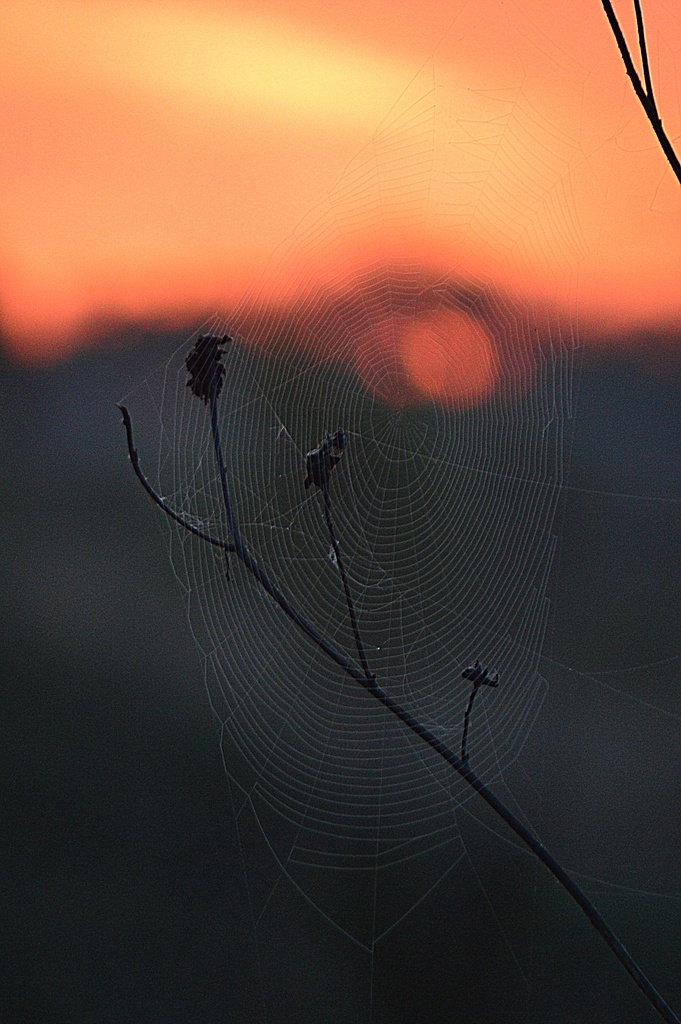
(132, 452)
(346, 587)
(318, 464)
(643, 50)
(240, 550)
(479, 676)
(645, 93)
(206, 382)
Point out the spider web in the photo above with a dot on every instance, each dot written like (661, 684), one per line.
(444, 500)
(444, 506)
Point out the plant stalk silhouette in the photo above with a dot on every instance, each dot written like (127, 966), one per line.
(206, 379)
(643, 90)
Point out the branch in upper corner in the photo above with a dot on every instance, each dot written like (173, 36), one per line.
(645, 95)
(643, 50)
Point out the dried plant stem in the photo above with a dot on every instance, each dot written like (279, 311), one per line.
(132, 452)
(366, 679)
(466, 724)
(233, 525)
(463, 768)
(643, 50)
(645, 93)
(346, 587)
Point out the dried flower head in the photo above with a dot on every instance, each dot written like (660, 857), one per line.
(479, 675)
(320, 461)
(204, 363)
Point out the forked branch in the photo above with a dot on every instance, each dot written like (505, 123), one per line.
(643, 90)
(206, 382)
(132, 452)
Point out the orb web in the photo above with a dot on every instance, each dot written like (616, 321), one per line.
(454, 395)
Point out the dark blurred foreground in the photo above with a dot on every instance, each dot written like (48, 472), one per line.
(124, 872)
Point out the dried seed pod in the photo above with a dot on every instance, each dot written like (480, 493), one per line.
(205, 366)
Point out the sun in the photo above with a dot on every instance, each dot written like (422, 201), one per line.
(449, 355)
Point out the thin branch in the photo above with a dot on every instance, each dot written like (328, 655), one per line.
(132, 452)
(479, 676)
(466, 723)
(625, 55)
(643, 50)
(241, 551)
(223, 473)
(645, 96)
(236, 537)
(346, 587)
(376, 691)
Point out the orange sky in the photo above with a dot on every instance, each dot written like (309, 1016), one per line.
(155, 154)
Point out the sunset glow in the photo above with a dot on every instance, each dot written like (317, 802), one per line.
(155, 156)
(449, 357)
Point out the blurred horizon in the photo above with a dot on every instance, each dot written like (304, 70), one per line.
(157, 154)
